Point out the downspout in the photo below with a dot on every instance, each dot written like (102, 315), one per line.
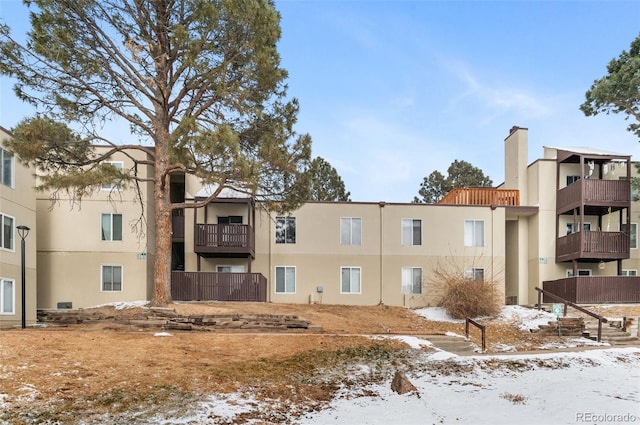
(381, 204)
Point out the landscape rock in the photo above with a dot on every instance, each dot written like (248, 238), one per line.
(401, 384)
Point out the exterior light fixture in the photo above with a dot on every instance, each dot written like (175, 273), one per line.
(23, 232)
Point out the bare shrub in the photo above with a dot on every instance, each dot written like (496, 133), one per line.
(465, 294)
(514, 398)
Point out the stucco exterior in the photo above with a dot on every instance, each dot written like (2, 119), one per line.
(18, 205)
(72, 253)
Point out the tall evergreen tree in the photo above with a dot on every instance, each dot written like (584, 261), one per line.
(326, 183)
(619, 91)
(200, 80)
(459, 174)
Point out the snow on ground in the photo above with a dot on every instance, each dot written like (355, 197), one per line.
(525, 319)
(122, 305)
(436, 314)
(583, 387)
(600, 386)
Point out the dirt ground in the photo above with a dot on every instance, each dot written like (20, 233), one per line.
(58, 374)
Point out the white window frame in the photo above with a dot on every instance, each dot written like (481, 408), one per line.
(408, 288)
(581, 272)
(275, 280)
(632, 233)
(111, 227)
(285, 226)
(351, 269)
(12, 282)
(408, 239)
(232, 269)
(629, 272)
(347, 229)
(12, 233)
(12, 165)
(470, 234)
(586, 226)
(102, 288)
(111, 186)
(574, 178)
(470, 273)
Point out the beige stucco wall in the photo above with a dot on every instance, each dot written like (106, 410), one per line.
(71, 252)
(318, 255)
(19, 202)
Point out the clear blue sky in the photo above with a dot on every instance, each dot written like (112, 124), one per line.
(392, 90)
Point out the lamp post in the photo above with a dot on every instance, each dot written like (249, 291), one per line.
(23, 232)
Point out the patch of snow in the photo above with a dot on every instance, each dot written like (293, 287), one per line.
(525, 319)
(162, 334)
(436, 314)
(413, 341)
(122, 305)
(454, 334)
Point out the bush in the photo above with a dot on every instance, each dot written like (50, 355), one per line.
(464, 297)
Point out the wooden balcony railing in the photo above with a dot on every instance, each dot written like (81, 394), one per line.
(481, 196)
(596, 192)
(593, 245)
(212, 286)
(596, 289)
(212, 239)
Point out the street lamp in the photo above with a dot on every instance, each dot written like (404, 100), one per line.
(23, 232)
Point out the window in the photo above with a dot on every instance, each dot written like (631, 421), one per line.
(111, 278)
(633, 234)
(285, 280)
(350, 280)
(629, 272)
(581, 272)
(473, 273)
(572, 179)
(285, 230)
(6, 167)
(473, 233)
(7, 296)
(230, 269)
(586, 227)
(411, 231)
(111, 227)
(412, 280)
(119, 165)
(350, 231)
(7, 223)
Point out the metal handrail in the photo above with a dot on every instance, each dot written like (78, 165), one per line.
(601, 319)
(482, 328)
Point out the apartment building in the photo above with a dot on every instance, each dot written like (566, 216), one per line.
(565, 222)
(100, 250)
(17, 212)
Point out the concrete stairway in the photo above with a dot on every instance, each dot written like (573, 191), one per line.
(612, 333)
(453, 344)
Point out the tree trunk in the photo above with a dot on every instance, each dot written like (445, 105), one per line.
(162, 216)
(162, 266)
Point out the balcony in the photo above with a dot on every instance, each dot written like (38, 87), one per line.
(212, 286)
(224, 240)
(593, 245)
(597, 193)
(595, 289)
(481, 196)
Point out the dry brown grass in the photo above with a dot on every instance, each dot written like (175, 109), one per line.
(66, 374)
